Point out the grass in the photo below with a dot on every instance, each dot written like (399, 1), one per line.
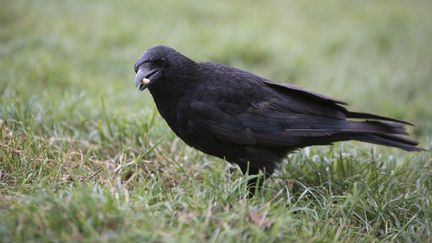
(85, 157)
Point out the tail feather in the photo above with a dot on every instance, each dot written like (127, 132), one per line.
(377, 127)
(380, 130)
(389, 140)
(362, 115)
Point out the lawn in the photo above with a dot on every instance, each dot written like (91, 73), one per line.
(85, 156)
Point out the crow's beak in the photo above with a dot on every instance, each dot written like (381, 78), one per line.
(144, 78)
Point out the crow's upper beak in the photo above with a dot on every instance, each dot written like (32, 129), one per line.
(144, 78)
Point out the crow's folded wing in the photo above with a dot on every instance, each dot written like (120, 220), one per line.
(238, 107)
(314, 103)
(283, 121)
(263, 128)
(294, 90)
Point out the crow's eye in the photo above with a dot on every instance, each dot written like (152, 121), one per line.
(160, 62)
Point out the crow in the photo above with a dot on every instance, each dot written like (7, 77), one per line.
(249, 120)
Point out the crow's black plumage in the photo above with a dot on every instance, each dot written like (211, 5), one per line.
(249, 120)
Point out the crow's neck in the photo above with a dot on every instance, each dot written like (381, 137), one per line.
(167, 92)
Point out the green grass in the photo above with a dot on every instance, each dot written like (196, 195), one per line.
(84, 156)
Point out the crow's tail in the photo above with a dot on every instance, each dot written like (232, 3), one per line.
(389, 140)
(388, 132)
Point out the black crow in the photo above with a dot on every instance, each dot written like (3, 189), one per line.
(249, 120)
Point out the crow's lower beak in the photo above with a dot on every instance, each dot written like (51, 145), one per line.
(144, 78)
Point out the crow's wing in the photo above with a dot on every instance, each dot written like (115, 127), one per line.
(234, 91)
(292, 89)
(262, 125)
(267, 127)
(258, 112)
(334, 104)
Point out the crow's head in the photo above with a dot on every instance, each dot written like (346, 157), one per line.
(158, 63)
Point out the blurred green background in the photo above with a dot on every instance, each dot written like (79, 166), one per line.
(374, 54)
(85, 156)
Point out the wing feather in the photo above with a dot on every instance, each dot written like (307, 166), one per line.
(249, 110)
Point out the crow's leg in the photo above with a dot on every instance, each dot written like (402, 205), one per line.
(255, 184)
